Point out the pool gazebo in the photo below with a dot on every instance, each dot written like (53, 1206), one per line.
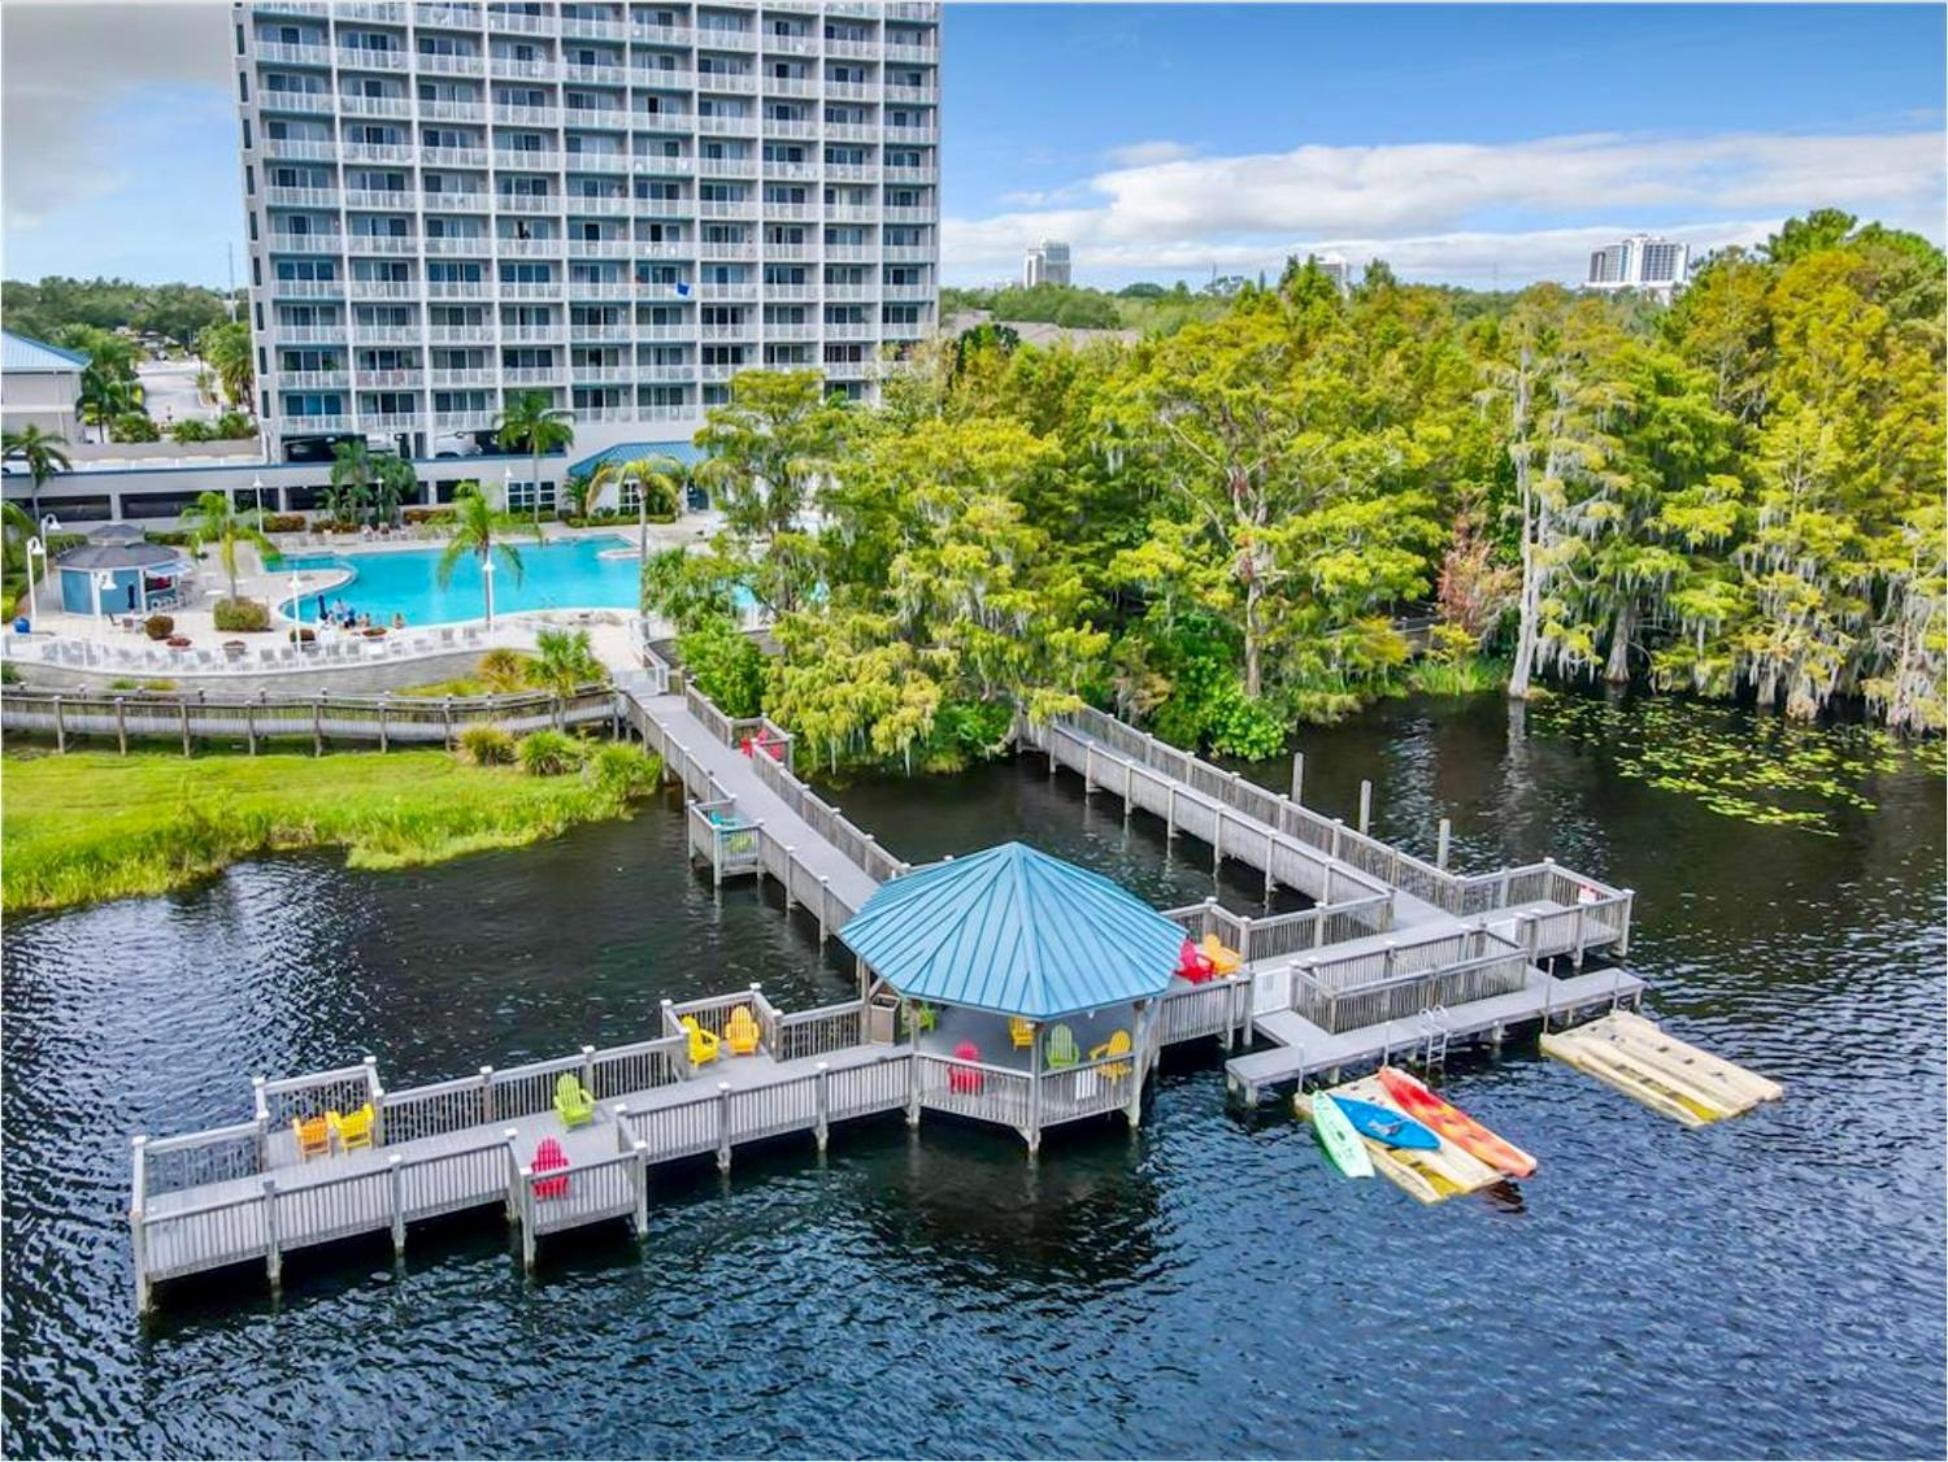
(134, 577)
(1026, 987)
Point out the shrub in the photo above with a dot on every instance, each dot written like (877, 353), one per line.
(9, 605)
(133, 426)
(487, 746)
(622, 770)
(170, 537)
(502, 669)
(242, 616)
(121, 682)
(158, 626)
(550, 754)
(191, 430)
(283, 523)
(726, 665)
(233, 426)
(429, 515)
(9, 673)
(159, 685)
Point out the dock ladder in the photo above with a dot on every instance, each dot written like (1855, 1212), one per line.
(1435, 1051)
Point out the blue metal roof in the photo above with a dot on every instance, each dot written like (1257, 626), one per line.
(1016, 931)
(630, 451)
(24, 353)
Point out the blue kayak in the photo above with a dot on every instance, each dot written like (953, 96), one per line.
(1383, 1124)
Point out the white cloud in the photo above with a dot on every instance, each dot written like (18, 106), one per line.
(1144, 154)
(1456, 210)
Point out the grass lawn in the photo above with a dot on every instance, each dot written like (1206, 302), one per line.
(92, 825)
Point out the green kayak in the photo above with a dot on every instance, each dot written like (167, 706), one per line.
(1337, 1136)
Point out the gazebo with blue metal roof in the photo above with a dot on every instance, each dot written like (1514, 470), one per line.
(1027, 987)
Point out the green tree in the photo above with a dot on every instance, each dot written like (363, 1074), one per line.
(532, 424)
(349, 491)
(226, 348)
(658, 479)
(481, 532)
(215, 519)
(725, 663)
(564, 661)
(42, 453)
(394, 482)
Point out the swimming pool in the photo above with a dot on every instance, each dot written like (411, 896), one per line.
(566, 574)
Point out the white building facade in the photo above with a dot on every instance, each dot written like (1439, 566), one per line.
(617, 205)
(1642, 262)
(40, 385)
(1046, 263)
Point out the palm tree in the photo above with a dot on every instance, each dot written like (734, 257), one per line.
(663, 473)
(394, 481)
(480, 531)
(43, 453)
(530, 422)
(215, 519)
(351, 482)
(225, 347)
(564, 660)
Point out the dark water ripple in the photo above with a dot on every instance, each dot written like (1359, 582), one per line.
(1768, 1287)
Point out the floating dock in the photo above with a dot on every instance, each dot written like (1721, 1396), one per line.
(1625, 1051)
(1432, 1177)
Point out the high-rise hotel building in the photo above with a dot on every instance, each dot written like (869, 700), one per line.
(620, 205)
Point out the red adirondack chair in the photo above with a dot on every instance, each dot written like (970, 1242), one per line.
(549, 1158)
(962, 1078)
(1193, 964)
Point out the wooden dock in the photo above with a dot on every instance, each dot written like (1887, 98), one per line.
(1625, 1051)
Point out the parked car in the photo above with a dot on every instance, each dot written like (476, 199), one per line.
(470, 443)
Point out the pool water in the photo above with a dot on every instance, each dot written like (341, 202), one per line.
(568, 574)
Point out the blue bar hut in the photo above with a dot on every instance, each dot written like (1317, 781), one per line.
(1027, 988)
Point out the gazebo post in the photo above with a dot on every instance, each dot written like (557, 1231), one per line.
(1134, 1111)
(1034, 1132)
(912, 1063)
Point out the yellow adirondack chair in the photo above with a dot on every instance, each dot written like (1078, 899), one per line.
(313, 1135)
(741, 1031)
(1021, 1031)
(1225, 961)
(704, 1044)
(353, 1129)
(1119, 1044)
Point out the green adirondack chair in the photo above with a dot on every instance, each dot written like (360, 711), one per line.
(1060, 1051)
(573, 1102)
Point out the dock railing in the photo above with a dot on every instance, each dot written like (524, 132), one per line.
(1260, 937)
(1608, 919)
(858, 846)
(1404, 979)
(201, 715)
(819, 1032)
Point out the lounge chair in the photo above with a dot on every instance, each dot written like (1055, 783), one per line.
(573, 1102)
(741, 1032)
(313, 1136)
(965, 1079)
(549, 1158)
(1060, 1050)
(1021, 1033)
(1223, 960)
(704, 1045)
(1119, 1044)
(353, 1130)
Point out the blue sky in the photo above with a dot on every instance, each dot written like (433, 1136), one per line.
(1477, 144)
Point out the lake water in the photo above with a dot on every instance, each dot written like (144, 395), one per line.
(1769, 1286)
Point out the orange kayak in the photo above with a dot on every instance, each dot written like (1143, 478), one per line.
(1455, 1125)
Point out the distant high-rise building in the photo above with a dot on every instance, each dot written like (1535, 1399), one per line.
(1046, 263)
(616, 205)
(1654, 265)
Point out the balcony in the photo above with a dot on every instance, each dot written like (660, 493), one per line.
(527, 202)
(600, 332)
(515, 22)
(789, 253)
(594, 30)
(926, 55)
(920, 135)
(532, 334)
(720, 38)
(313, 102)
(851, 132)
(614, 248)
(527, 116)
(384, 12)
(909, 291)
(909, 254)
(791, 86)
(463, 420)
(595, 75)
(380, 244)
(721, 370)
(600, 289)
(530, 289)
(308, 289)
(852, 172)
(365, 58)
(653, 166)
(304, 198)
(926, 95)
(806, 292)
(660, 80)
(401, 421)
(897, 214)
(386, 152)
(852, 212)
(727, 167)
(294, 241)
(851, 330)
(724, 249)
(852, 91)
(507, 66)
(353, 105)
(460, 334)
(458, 289)
(472, 246)
(532, 375)
(596, 162)
(911, 174)
(438, 111)
(307, 334)
(439, 63)
(796, 330)
(385, 289)
(776, 45)
(851, 291)
(277, 53)
(447, 17)
(806, 172)
(791, 212)
(291, 426)
(385, 334)
(596, 119)
(715, 124)
(387, 202)
(527, 162)
(604, 413)
(848, 370)
(508, 248)
(661, 35)
(780, 127)
(463, 376)
(664, 249)
(313, 380)
(849, 49)
(390, 380)
(300, 149)
(727, 81)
